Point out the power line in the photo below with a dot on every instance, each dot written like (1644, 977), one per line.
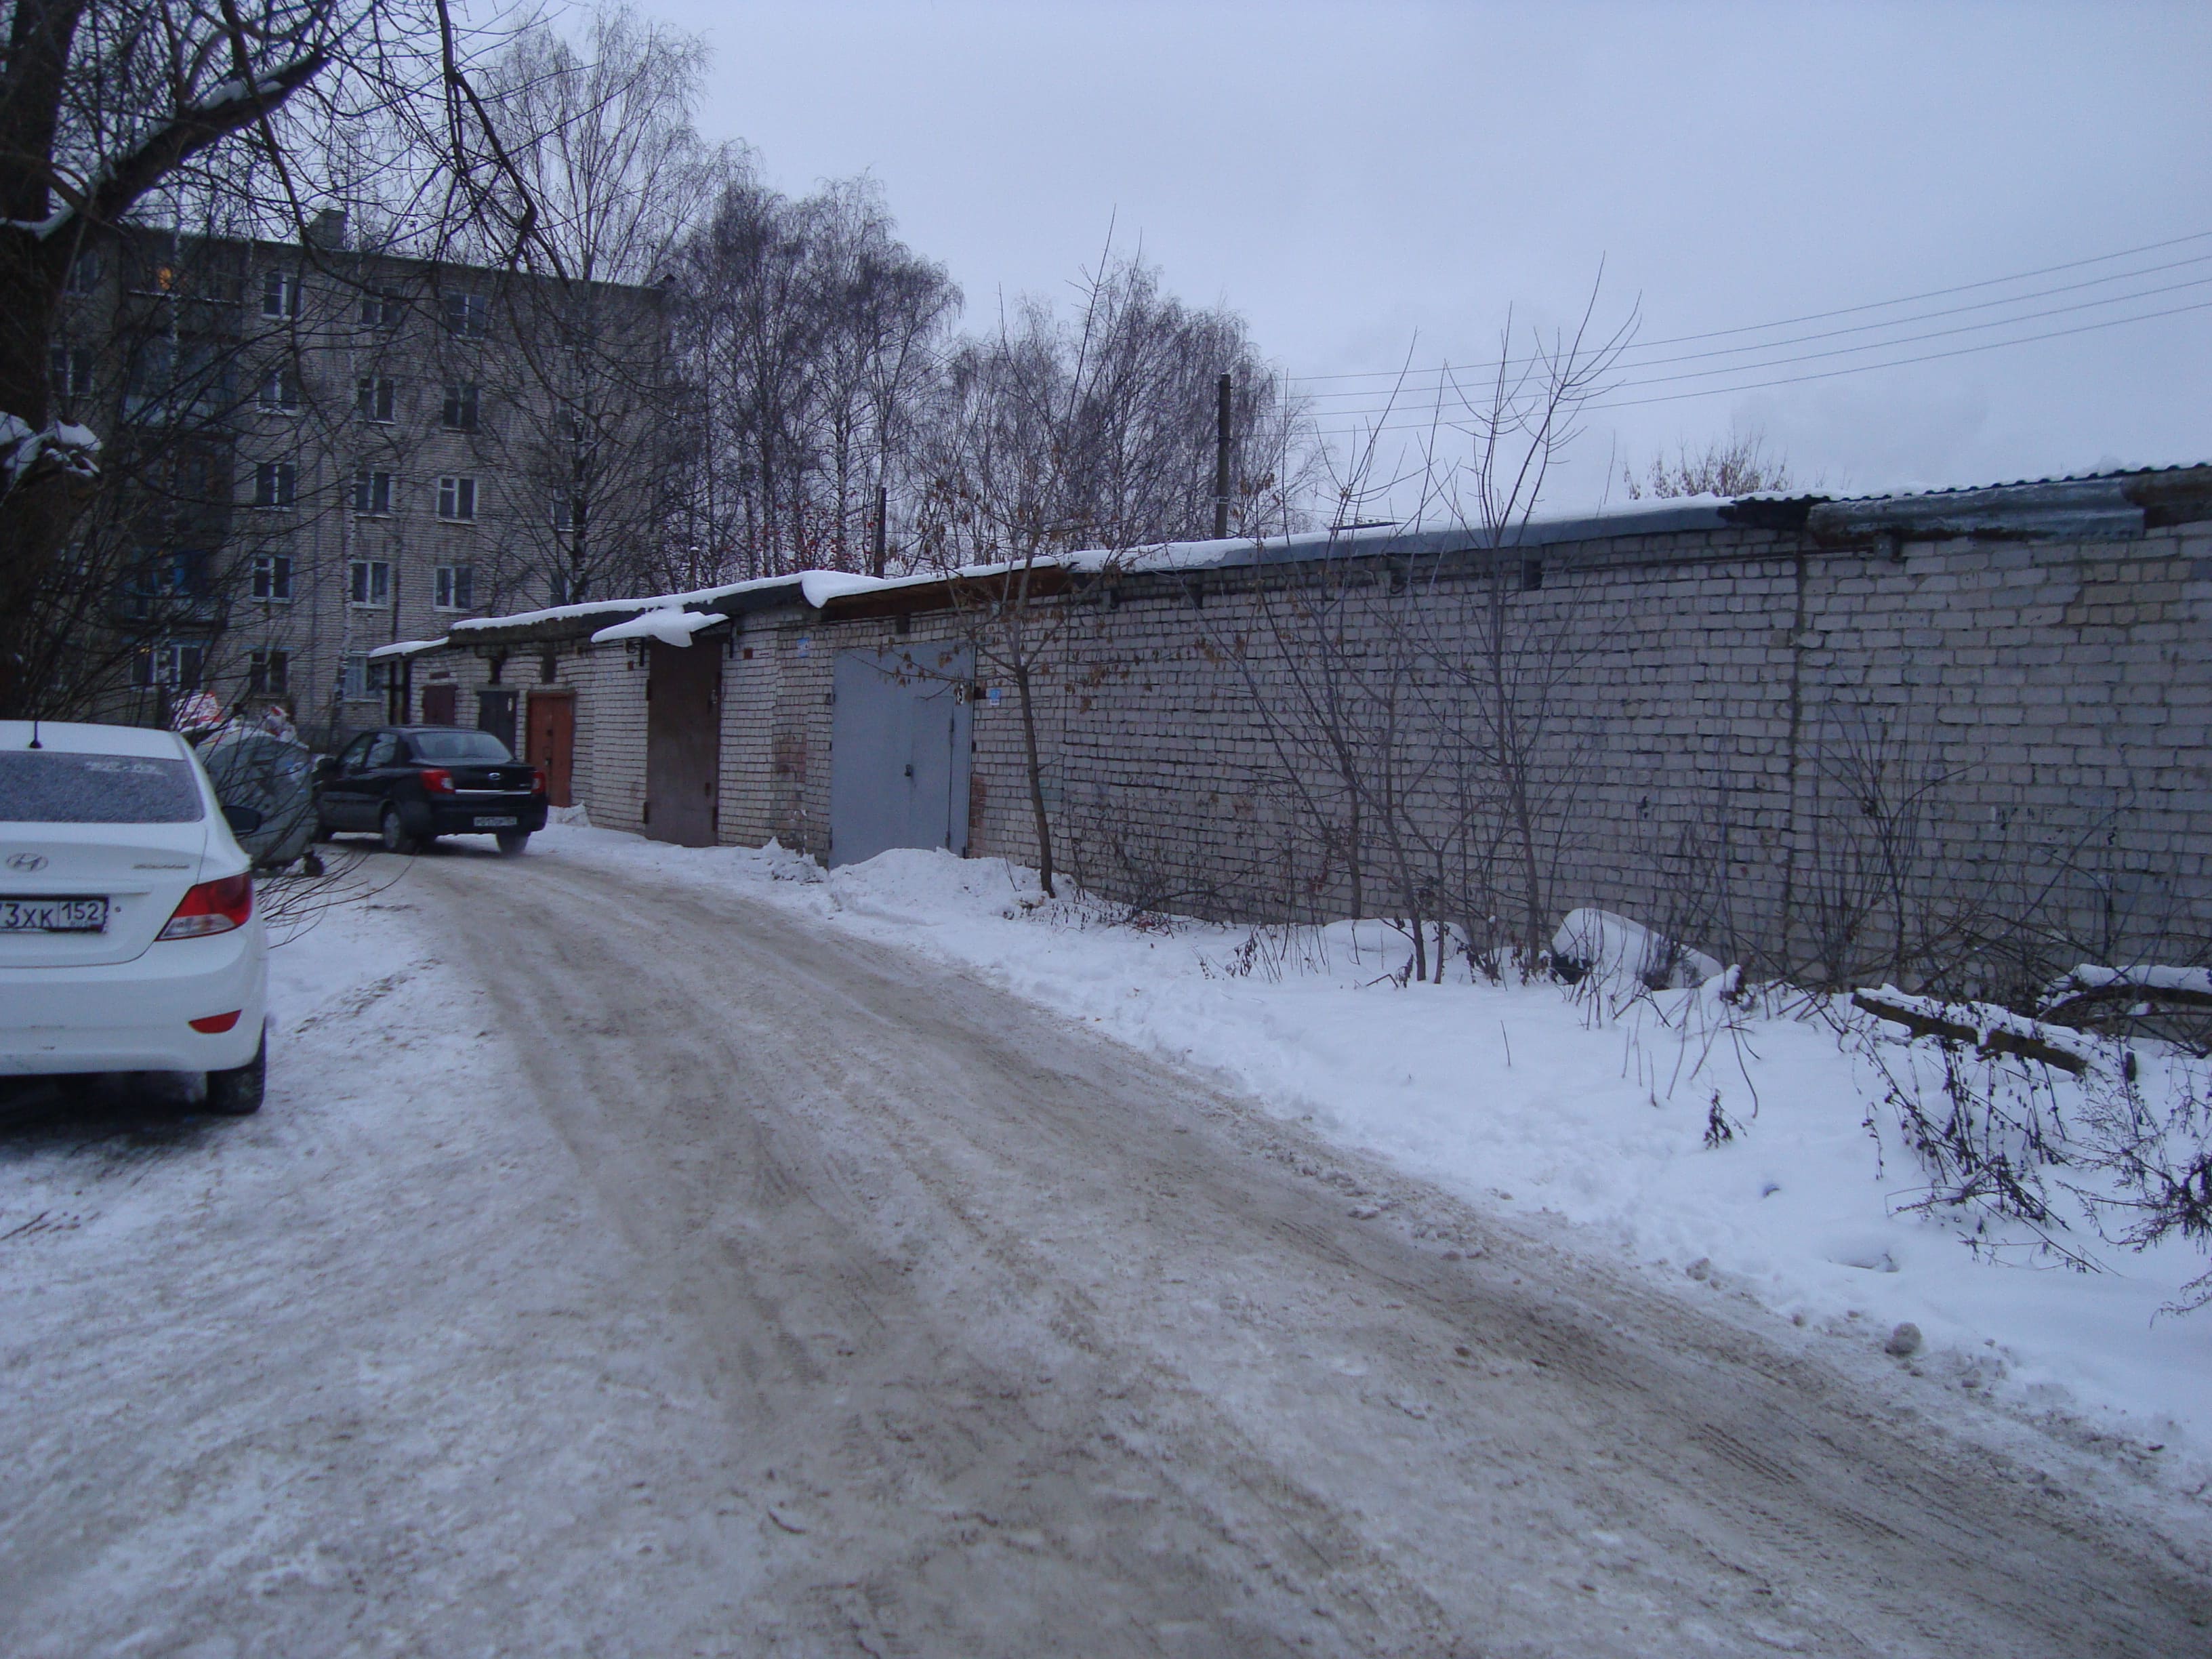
(1845, 310)
(1823, 374)
(1444, 372)
(1870, 345)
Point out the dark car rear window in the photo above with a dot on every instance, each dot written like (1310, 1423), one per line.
(46, 786)
(458, 746)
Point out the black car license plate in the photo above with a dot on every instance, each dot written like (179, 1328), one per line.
(53, 915)
(507, 822)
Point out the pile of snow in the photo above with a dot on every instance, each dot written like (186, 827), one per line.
(1724, 1142)
(1619, 954)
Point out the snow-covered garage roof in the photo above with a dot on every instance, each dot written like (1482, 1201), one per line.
(2099, 504)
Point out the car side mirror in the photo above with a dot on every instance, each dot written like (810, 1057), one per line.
(242, 820)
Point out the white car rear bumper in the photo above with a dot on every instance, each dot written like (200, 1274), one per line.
(137, 1016)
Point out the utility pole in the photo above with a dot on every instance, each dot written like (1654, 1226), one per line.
(876, 549)
(1221, 460)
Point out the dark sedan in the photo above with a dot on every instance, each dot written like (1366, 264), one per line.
(411, 784)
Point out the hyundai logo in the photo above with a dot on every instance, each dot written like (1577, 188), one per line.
(27, 862)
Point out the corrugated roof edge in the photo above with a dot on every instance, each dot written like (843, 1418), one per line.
(2096, 477)
(2113, 502)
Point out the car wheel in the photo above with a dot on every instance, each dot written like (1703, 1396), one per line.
(394, 833)
(512, 842)
(237, 1092)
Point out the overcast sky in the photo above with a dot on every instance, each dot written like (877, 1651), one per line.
(1364, 181)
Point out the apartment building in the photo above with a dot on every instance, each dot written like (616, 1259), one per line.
(316, 450)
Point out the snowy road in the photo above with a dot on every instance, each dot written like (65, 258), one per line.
(811, 1299)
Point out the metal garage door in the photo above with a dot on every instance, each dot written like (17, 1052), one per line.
(683, 741)
(495, 713)
(899, 750)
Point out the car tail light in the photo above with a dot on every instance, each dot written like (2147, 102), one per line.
(217, 1024)
(537, 780)
(438, 780)
(213, 907)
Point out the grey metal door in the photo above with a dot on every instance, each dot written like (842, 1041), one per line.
(899, 750)
(683, 741)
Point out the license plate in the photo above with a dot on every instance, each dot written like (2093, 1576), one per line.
(53, 915)
(496, 824)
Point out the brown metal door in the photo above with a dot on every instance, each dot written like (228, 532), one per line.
(552, 739)
(441, 704)
(682, 742)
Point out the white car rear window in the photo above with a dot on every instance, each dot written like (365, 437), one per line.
(45, 786)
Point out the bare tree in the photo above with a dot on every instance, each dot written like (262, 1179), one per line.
(1738, 465)
(1512, 664)
(140, 141)
(1064, 446)
(812, 335)
(608, 171)
(1407, 682)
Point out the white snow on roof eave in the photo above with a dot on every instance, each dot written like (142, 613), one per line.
(827, 584)
(407, 647)
(664, 622)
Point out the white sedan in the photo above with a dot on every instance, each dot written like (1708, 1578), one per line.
(129, 941)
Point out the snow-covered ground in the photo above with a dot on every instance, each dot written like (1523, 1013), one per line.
(1545, 1103)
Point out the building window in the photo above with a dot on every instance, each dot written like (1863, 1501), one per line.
(379, 311)
(84, 272)
(468, 315)
(280, 293)
(276, 483)
(272, 575)
(179, 575)
(168, 380)
(461, 406)
(457, 499)
(267, 673)
(172, 667)
(361, 677)
(72, 370)
(375, 399)
(368, 582)
(280, 392)
(372, 491)
(454, 588)
(567, 591)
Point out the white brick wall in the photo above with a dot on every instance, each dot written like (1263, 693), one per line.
(1718, 706)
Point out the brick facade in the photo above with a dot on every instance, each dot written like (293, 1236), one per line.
(1746, 735)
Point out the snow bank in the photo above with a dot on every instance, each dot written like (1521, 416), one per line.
(1722, 1146)
(1621, 954)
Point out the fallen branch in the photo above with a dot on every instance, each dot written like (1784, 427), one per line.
(1992, 1031)
(2089, 991)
